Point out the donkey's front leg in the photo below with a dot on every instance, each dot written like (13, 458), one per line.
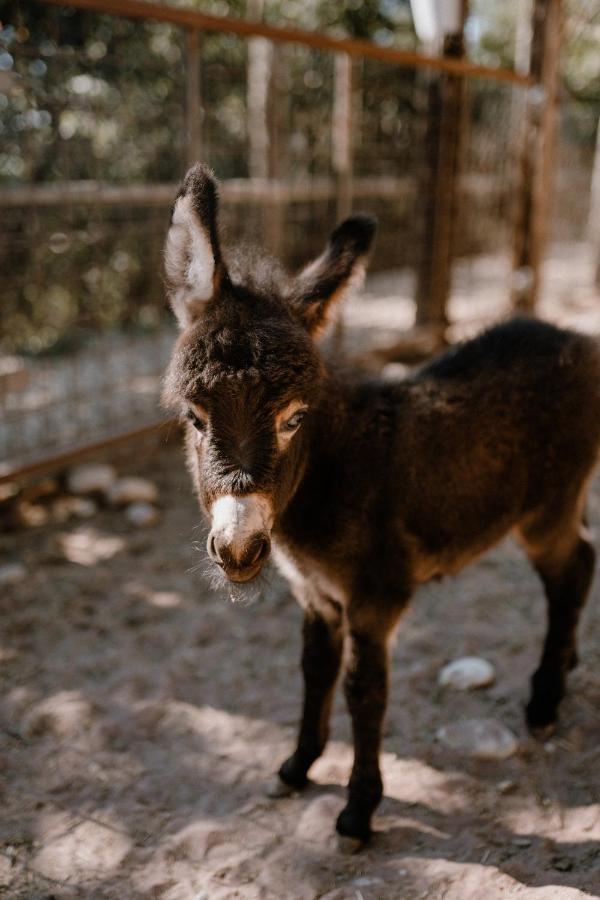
(321, 658)
(366, 689)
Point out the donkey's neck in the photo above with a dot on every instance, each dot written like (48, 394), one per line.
(342, 447)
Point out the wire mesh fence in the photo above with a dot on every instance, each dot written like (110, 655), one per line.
(101, 115)
(53, 405)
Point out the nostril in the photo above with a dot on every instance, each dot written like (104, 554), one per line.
(259, 550)
(225, 556)
(211, 546)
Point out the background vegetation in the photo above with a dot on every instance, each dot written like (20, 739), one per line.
(87, 97)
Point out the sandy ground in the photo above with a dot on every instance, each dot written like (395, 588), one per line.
(143, 715)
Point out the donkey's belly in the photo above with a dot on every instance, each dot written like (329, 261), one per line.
(455, 555)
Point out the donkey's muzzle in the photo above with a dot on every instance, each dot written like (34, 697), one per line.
(239, 539)
(239, 564)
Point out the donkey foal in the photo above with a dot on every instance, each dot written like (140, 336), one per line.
(364, 489)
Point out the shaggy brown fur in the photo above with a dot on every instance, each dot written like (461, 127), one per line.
(382, 485)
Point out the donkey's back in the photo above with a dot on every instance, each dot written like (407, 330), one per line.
(501, 432)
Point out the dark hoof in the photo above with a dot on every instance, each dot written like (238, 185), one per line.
(291, 775)
(353, 827)
(541, 720)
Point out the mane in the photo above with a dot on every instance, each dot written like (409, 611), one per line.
(251, 267)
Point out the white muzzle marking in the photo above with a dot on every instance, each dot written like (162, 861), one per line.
(235, 520)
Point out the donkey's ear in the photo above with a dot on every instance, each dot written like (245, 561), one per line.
(328, 278)
(193, 261)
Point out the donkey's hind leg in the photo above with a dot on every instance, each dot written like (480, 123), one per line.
(564, 558)
(321, 659)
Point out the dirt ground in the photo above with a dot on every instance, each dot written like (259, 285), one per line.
(143, 715)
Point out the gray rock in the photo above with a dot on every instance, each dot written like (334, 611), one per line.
(81, 507)
(11, 573)
(132, 490)
(91, 478)
(467, 673)
(142, 515)
(481, 738)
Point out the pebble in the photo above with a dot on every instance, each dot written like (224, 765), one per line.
(91, 478)
(481, 738)
(11, 573)
(467, 674)
(521, 841)
(395, 371)
(32, 514)
(562, 864)
(132, 490)
(506, 786)
(82, 507)
(142, 515)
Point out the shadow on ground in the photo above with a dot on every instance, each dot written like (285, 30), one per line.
(143, 715)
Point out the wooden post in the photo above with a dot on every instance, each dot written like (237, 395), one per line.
(438, 189)
(535, 160)
(276, 122)
(260, 60)
(341, 133)
(594, 214)
(193, 110)
(261, 123)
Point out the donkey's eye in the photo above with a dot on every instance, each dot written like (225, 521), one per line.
(196, 420)
(294, 421)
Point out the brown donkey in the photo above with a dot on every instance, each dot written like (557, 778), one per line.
(364, 489)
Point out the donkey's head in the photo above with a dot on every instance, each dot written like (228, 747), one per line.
(246, 372)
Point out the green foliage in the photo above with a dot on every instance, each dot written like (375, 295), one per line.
(88, 97)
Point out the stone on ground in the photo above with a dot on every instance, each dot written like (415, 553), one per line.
(142, 515)
(11, 573)
(467, 673)
(481, 738)
(132, 490)
(91, 478)
(66, 507)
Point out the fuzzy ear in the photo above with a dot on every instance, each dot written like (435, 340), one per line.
(328, 278)
(193, 261)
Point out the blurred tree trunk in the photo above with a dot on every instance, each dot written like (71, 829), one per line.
(265, 110)
(260, 59)
(193, 99)
(594, 216)
(536, 154)
(341, 132)
(438, 186)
